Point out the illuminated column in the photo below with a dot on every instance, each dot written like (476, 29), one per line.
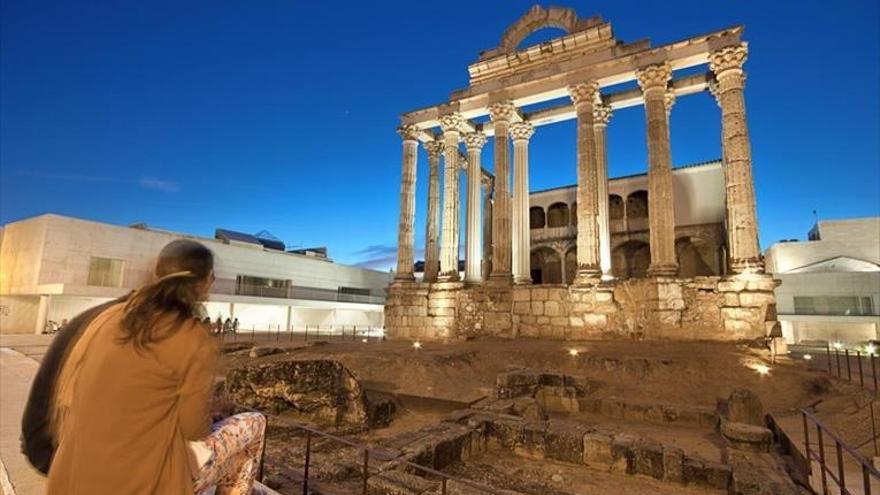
(449, 242)
(661, 207)
(601, 117)
(588, 272)
(488, 186)
(520, 133)
(405, 233)
(432, 225)
(474, 142)
(501, 114)
(742, 220)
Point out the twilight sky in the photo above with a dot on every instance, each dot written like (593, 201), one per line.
(281, 115)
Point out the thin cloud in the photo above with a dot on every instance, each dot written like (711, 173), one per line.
(154, 184)
(382, 257)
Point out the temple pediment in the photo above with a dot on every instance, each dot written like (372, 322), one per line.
(582, 36)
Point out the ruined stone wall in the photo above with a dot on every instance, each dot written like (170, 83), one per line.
(712, 308)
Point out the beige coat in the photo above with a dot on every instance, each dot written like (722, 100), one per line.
(132, 412)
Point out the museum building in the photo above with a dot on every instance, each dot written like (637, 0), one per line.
(53, 267)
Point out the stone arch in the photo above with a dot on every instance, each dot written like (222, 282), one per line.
(637, 204)
(557, 215)
(546, 266)
(537, 218)
(535, 19)
(571, 264)
(615, 207)
(631, 259)
(693, 253)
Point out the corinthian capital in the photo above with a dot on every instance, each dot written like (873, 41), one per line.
(408, 132)
(668, 101)
(434, 148)
(601, 114)
(654, 76)
(521, 131)
(474, 140)
(502, 111)
(584, 92)
(728, 60)
(451, 122)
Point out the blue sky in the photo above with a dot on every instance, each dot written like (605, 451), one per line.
(281, 115)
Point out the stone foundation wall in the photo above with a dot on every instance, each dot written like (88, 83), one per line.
(712, 308)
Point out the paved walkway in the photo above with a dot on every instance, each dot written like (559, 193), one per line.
(16, 373)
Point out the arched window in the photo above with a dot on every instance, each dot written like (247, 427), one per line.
(615, 207)
(536, 217)
(557, 215)
(637, 205)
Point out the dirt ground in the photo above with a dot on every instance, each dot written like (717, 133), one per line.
(437, 378)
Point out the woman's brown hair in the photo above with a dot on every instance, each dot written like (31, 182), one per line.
(181, 272)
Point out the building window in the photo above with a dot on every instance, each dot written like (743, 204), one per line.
(834, 305)
(354, 290)
(246, 285)
(106, 272)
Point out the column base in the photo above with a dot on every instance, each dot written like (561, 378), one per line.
(449, 277)
(404, 277)
(666, 270)
(587, 276)
(522, 281)
(501, 279)
(747, 265)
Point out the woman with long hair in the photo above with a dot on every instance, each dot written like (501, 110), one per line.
(130, 408)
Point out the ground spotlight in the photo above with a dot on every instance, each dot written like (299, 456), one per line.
(837, 345)
(808, 357)
(417, 345)
(871, 349)
(573, 352)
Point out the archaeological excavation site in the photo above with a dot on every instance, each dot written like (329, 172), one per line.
(538, 417)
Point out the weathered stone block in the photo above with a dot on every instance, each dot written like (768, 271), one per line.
(521, 294)
(730, 299)
(623, 451)
(744, 406)
(595, 320)
(565, 441)
(755, 299)
(747, 437)
(731, 285)
(539, 294)
(598, 449)
(743, 314)
(673, 464)
(522, 307)
(649, 458)
(552, 308)
(543, 320)
(537, 308)
(559, 320)
(576, 321)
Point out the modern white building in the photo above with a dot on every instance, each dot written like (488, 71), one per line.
(830, 287)
(53, 267)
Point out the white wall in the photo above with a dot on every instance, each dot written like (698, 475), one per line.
(18, 314)
(857, 238)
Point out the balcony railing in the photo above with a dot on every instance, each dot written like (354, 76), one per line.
(552, 233)
(230, 287)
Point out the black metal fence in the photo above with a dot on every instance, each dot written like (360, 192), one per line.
(815, 451)
(845, 364)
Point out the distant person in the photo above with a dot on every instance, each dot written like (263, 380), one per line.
(144, 426)
(207, 321)
(227, 325)
(235, 325)
(218, 325)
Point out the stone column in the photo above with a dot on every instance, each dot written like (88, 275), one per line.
(661, 214)
(472, 269)
(405, 233)
(588, 271)
(520, 133)
(449, 241)
(742, 220)
(501, 114)
(432, 225)
(601, 117)
(488, 186)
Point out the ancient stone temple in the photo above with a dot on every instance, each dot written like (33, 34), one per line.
(656, 281)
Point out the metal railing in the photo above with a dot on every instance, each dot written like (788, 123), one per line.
(367, 455)
(865, 367)
(276, 333)
(868, 471)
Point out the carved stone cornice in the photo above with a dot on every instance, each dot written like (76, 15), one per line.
(728, 60)
(434, 148)
(451, 122)
(408, 132)
(474, 140)
(503, 111)
(584, 92)
(601, 114)
(654, 77)
(522, 131)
